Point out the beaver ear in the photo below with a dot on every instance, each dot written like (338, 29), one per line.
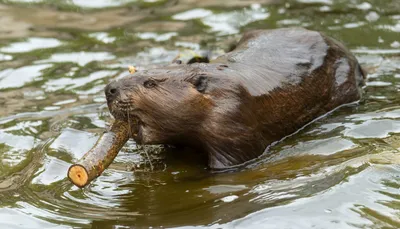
(201, 83)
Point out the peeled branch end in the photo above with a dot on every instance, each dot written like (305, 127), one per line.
(78, 175)
(96, 160)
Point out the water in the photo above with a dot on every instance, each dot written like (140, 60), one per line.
(56, 57)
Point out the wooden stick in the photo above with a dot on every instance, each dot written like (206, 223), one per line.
(94, 162)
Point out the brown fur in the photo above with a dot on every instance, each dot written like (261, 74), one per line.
(273, 83)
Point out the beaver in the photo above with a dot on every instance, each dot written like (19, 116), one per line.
(271, 85)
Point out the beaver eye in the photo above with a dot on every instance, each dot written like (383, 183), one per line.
(201, 84)
(149, 83)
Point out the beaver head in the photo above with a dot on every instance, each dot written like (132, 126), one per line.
(167, 104)
(195, 105)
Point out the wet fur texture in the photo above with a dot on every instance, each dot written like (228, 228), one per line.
(272, 84)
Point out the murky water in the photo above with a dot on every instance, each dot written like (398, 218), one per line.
(56, 57)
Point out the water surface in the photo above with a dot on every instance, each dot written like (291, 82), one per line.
(56, 57)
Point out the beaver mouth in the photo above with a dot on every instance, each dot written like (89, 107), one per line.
(126, 111)
(124, 106)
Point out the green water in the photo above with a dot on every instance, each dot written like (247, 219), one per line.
(56, 57)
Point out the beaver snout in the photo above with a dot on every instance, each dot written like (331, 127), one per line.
(111, 91)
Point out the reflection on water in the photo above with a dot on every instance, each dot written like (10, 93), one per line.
(342, 171)
(80, 58)
(12, 78)
(89, 3)
(225, 23)
(32, 43)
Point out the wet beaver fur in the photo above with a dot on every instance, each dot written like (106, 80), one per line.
(273, 83)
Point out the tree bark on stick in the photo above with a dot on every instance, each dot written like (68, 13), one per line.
(96, 160)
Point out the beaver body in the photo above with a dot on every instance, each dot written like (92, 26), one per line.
(273, 83)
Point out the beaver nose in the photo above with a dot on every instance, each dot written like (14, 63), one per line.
(111, 91)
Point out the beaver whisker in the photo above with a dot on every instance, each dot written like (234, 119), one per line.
(149, 159)
(119, 115)
(124, 103)
(123, 107)
(128, 102)
(129, 122)
(126, 109)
